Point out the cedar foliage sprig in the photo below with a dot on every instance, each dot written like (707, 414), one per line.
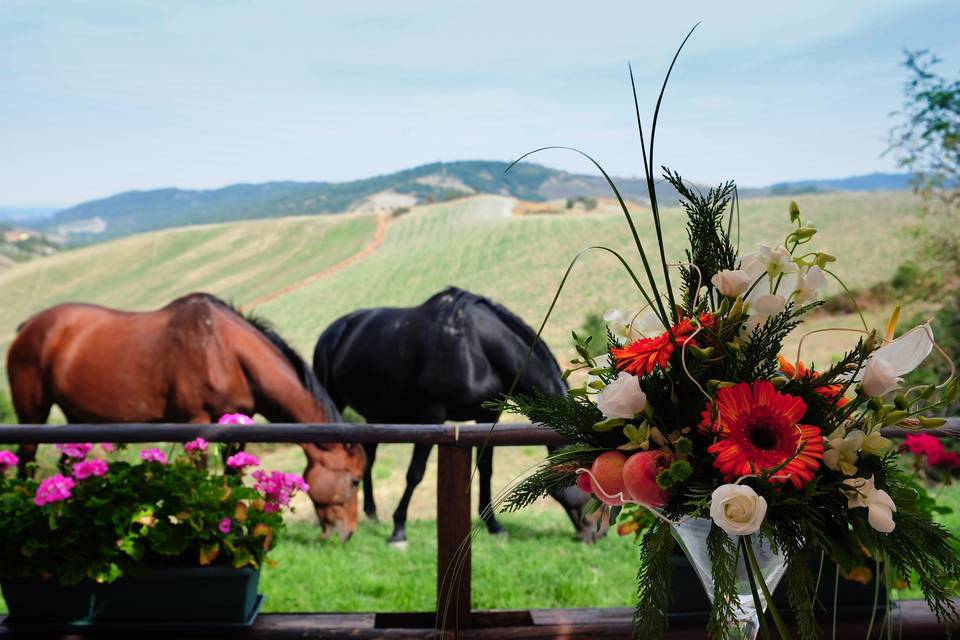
(710, 248)
(653, 581)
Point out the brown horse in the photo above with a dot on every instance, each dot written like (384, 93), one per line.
(192, 361)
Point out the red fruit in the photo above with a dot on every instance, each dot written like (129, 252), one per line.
(607, 473)
(640, 477)
(583, 483)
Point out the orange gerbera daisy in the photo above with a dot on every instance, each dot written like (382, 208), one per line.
(759, 428)
(640, 357)
(831, 391)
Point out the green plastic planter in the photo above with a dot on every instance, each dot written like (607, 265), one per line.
(166, 596)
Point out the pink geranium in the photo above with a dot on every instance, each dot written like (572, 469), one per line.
(923, 444)
(199, 445)
(224, 526)
(8, 459)
(87, 468)
(153, 455)
(277, 488)
(242, 460)
(76, 450)
(107, 447)
(235, 418)
(54, 489)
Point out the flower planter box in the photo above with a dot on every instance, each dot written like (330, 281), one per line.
(854, 600)
(165, 596)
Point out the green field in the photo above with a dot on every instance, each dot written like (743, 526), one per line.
(474, 243)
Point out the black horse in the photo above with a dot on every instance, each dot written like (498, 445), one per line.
(432, 363)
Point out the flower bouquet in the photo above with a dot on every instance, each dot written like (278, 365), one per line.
(104, 525)
(745, 457)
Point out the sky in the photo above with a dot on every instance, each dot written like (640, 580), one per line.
(102, 97)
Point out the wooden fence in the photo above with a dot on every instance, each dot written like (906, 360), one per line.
(453, 531)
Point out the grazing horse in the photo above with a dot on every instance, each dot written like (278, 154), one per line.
(191, 361)
(439, 361)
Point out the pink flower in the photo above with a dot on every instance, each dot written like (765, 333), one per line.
(923, 444)
(107, 447)
(77, 450)
(8, 459)
(242, 459)
(54, 489)
(153, 455)
(235, 418)
(949, 460)
(196, 445)
(87, 468)
(277, 488)
(224, 526)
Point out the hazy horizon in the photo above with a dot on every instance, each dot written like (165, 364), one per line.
(106, 97)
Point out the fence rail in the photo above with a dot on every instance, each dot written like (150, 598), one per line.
(454, 470)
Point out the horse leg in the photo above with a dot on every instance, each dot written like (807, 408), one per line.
(485, 466)
(573, 500)
(418, 465)
(32, 405)
(369, 505)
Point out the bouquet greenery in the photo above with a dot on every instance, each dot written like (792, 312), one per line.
(742, 454)
(102, 519)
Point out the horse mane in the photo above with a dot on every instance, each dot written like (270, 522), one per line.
(304, 373)
(513, 322)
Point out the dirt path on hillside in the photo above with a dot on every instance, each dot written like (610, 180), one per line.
(383, 221)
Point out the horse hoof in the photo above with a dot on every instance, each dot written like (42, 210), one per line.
(400, 545)
(398, 537)
(372, 517)
(496, 530)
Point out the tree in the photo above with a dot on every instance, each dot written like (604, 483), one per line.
(927, 142)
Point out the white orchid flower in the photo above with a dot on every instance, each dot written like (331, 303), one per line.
(809, 284)
(843, 452)
(862, 492)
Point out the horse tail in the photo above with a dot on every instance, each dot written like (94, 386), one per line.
(327, 346)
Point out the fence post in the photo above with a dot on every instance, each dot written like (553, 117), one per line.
(453, 538)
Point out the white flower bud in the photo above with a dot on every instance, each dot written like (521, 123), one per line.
(879, 377)
(622, 398)
(731, 283)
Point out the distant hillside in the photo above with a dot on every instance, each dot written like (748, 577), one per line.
(869, 182)
(138, 211)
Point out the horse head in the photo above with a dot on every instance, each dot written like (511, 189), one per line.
(334, 472)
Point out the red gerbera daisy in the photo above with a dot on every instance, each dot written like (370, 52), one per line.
(640, 357)
(831, 391)
(760, 429)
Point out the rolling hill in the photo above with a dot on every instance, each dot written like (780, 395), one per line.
(138, 211)
(476, 243)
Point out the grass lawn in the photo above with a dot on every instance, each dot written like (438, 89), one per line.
(537, 563)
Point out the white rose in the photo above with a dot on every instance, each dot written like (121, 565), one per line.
(769, 304)
(861, 492)
(737, 509)
(731, 283)
(622, 398)
(879, 377)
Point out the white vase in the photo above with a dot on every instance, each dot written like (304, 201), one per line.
(691, 533)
